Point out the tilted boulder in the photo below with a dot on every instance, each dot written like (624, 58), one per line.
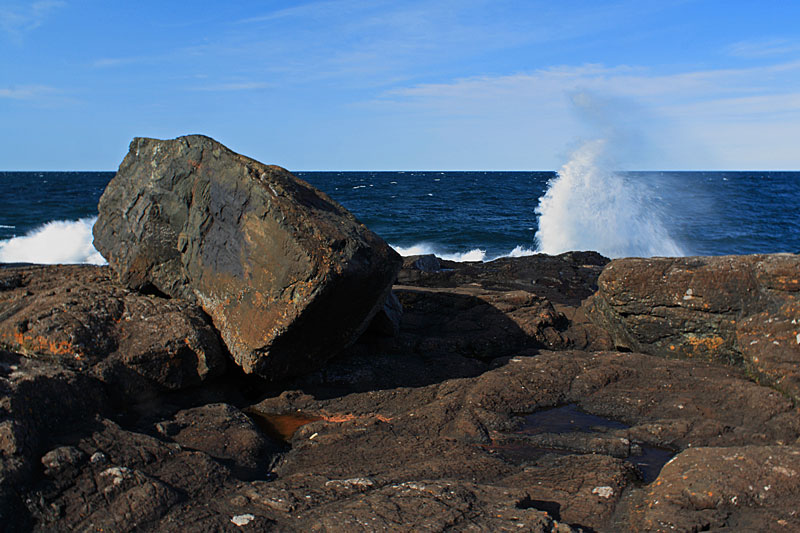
(737, 310)
(288, 276)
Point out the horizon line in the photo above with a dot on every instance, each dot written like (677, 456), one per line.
(449, 170)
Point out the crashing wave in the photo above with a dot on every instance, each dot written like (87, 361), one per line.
(587, 206)
(56, 242)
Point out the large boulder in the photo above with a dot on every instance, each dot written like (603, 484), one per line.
(737, 310)
(288, 276)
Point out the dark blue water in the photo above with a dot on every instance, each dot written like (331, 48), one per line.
(486, 213)
(446, 212)
(29, 199)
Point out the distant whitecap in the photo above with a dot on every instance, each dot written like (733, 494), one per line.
(475, 254)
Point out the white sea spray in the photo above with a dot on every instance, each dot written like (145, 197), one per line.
(56, 242)
(589, 206)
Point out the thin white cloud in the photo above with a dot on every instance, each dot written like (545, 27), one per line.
(237, 86)
(304, 10)
(168, 56)
(758, 108)
(764, 48)
(751, 109)
(636, 82)
(107, 62)
(19, 18)
(376, 43)
(27, 92)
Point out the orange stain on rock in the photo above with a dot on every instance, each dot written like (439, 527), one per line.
(350, 418)
(705, 344)
(30, 343)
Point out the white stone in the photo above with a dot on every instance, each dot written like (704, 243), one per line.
(603, 492)
(98, 457)
(118, 473)
(359, 482)
(242, 519)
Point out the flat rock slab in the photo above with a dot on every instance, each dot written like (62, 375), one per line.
(288, 276)
(752, 488)
(736, 310)
(80, 317)
(459, 430)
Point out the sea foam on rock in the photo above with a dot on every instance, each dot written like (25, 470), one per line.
(288, 276)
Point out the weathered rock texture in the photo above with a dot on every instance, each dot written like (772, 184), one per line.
(740, 489)
(737, 310)
(79, 316)
(462, 432)
(288, 276)
(430, 429)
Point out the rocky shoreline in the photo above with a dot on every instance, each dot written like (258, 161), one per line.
(542, 393)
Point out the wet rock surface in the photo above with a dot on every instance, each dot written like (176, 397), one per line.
(497, 406)
(288, 276)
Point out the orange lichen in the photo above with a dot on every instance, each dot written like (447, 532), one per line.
(350, 418)
(705, 344)
(39, 344)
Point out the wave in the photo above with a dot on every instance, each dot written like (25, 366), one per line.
(475, 254)
(589, 207)
(56, 242)
(70, 241)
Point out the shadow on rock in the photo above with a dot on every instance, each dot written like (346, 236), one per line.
(443, 334)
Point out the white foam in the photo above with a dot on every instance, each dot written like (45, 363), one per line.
(590, 207)
(57, 242)
(476, 254)
(520, 251)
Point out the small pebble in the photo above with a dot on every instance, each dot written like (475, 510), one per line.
(242, 519)
(98, 458)
(603, 492)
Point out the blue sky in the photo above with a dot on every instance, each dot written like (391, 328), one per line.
(397, 85)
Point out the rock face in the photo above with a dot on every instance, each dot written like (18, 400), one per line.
(77, 315)
(224, 433)
(736, 310)
(38, 401)
(288, 276)
(542, 426)
(699, 493)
